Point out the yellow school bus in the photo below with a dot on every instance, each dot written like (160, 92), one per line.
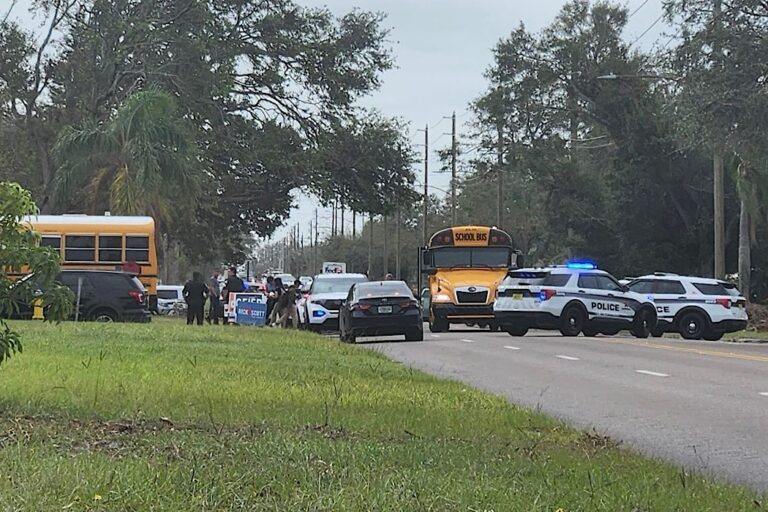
(102, 243)
(463, 266)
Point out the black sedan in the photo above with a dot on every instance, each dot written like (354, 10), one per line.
(380, 308)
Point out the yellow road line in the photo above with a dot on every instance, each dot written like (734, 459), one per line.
(714, 353)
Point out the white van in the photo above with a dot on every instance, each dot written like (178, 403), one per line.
(167, 297)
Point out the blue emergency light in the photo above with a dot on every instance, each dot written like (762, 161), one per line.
(582, 265)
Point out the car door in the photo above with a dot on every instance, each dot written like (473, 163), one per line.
(82, 288)
(601, 299)
(669, 297)
(619, 305)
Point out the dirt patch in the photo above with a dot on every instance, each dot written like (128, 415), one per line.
(758, 317)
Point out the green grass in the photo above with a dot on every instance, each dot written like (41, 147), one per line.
(747, 335)
(165, 417)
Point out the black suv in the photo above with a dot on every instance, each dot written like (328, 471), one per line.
(105, 295)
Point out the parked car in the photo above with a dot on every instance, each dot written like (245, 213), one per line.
(319, 309)
(104, 296)
(380, 308)
(694, 307)
(170, 299)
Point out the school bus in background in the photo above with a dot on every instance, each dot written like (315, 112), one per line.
(102, 243)
(463, 266)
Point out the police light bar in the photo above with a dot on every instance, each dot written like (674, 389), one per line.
(582, 265)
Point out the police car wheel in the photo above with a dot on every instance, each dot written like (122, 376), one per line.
(642, 321)
(692, 325)
(572, 321)
(712, 335)
(513, 330)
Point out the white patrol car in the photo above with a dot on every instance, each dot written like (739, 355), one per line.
(695, 307)
(572, 299)
(319, 309)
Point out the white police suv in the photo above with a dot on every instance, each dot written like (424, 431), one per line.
(319, 309)
(695, 307)
(574, 298)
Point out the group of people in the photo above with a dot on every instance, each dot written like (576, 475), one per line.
(281, 299)
(197, 291)
(281, 302)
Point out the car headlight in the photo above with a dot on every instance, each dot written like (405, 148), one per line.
(441, 297)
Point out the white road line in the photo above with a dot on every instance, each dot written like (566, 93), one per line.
(652, 374)
(510, 347)
(468, 341)
(568, 358)
(435, 335)
(763, 393)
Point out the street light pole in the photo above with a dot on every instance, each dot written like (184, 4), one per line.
(453, 169)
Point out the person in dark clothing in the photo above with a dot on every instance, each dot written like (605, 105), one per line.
(195, 292)
(271, 298)
(233, 284)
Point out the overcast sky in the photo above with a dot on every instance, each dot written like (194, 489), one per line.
(442, 48)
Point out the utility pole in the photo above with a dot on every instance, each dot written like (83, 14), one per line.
(342, 218)
(385, 270)
(718, 171)
(397, 244)
(500, 178)
(426, 185)
(317, 240)
(370, 245)
(354, 224)
(453, 169)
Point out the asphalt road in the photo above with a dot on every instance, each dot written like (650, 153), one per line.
(703, 405)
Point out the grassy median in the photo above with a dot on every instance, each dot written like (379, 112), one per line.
(166, 417)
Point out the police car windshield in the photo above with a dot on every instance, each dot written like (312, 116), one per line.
(334, 285)
(469, 257)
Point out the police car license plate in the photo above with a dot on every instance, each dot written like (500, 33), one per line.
(517, 296)
(385, 309)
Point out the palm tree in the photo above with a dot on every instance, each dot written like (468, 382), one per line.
(134, 163)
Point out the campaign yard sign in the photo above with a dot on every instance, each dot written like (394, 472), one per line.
(250, 309)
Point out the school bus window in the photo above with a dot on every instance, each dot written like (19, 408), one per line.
(111, 248)
(54, 242)
(137, 249)
(81, 248)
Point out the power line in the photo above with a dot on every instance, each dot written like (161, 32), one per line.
(661, 17)
(639, 7)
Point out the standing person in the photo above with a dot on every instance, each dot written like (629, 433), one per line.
(278, 292)
(286, 308)
(195, 292)
(233, 284)
(271, 296)
(214, 290)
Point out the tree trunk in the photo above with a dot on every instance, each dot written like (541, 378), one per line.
(719, 216)
(386, 248)
(745, 257)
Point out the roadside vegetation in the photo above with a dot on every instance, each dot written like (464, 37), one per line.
(163, 417)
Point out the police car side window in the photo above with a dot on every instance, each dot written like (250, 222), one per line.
(588, 281)
(556, 280)
(641, 286)
(670, 287)
(606, 283)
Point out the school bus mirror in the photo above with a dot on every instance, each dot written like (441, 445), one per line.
(426, 259)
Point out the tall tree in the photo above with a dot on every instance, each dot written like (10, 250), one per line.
(142, 161)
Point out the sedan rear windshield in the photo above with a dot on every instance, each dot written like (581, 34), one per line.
(384, 290)
(167, 294)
